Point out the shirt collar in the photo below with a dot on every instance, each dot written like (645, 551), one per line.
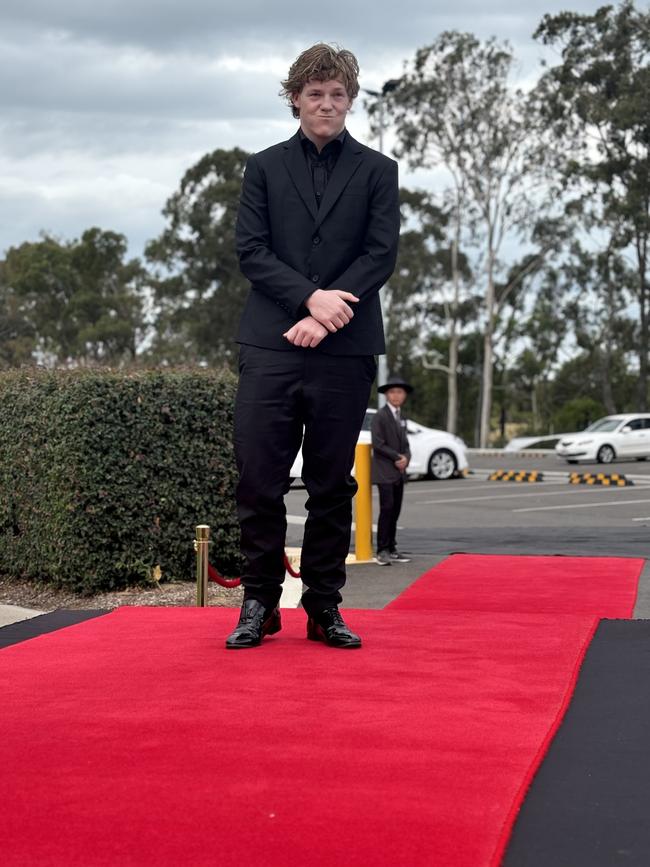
(306, 141)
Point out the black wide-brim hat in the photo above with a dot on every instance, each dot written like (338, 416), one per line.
(395, 382)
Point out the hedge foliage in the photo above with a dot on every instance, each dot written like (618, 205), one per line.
(104, 475)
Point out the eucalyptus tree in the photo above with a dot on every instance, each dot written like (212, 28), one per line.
(423, 303)
(453, 109)
(17, 334)
(596, 101)
(601, 287)
(75, 302)
(198, 289)
(539, 334)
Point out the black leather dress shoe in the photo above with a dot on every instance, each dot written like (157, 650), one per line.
(255, 621)
(329, 626)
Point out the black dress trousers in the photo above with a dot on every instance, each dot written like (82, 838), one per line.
(391, 495)
(279, 394)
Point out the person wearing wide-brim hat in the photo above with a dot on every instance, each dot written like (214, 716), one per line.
(395, 382)
(390, 458)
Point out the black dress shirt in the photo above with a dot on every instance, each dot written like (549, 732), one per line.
(321, 164)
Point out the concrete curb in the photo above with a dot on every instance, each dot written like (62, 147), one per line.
(551, 475)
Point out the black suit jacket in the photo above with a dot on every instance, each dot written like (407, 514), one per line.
(288, 247)
(388, 442)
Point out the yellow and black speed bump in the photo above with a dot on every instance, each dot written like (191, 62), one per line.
(516, 476)
(614, 480)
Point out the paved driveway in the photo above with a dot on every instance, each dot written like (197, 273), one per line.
(480, 516)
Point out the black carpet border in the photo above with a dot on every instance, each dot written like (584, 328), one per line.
(587, 805)
(23, 630)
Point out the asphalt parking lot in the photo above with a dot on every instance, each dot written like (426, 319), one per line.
(552, 516)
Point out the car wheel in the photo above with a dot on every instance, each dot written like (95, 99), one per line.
(442, 465)
(606, 455)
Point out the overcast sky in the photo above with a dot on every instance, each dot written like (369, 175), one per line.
(103, 106)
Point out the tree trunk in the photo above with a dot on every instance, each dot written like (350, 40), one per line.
(488, 353)
(605, 355)
(452, 384)
(643, 316)
(452, 362)
(608, 394)
(486, 389)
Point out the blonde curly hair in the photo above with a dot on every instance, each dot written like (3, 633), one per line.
(321, 62)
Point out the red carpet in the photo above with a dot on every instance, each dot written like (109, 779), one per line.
(136, 739)
(602, 586)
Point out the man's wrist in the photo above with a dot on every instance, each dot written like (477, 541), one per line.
(308, 299)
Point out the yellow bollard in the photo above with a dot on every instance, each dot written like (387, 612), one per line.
(201, 546)
(363, 504)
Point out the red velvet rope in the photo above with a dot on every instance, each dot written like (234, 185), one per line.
(290, 569)
(214, 575)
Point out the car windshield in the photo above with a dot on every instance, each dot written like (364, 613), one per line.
(604, 424)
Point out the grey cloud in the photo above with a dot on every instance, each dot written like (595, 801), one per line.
(27, 216)
(57, 74)
(211, 24)
(138, 91)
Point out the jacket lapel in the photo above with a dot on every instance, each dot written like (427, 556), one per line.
(348, 162)
(296, 163)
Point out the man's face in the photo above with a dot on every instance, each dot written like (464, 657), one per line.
(396, 396)
(323, 107)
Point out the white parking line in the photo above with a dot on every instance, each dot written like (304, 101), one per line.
(494, 496)
(301, 520)
(582, 506)
(641, 519)
(480, 487)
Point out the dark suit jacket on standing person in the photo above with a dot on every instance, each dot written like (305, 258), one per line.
(289, 246)
(388, 442)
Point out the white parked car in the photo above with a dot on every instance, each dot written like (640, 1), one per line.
(434, 453)
(608, 439)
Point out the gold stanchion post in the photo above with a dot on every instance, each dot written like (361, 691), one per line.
(363, 504)
(201, 546)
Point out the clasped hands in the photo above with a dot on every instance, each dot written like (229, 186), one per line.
(328, 311)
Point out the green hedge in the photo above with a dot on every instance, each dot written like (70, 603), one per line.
(104, 475)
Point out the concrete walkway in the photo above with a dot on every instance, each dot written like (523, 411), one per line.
(13, 613)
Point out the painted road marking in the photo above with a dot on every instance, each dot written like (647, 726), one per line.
(410, 492)
(301, 520)
(536, 493)
(582, 506)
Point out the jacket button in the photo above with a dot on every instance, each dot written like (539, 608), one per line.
(315, 278)
(316, 240)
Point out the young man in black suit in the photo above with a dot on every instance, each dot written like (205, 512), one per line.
(390, 458)
(317, 235)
